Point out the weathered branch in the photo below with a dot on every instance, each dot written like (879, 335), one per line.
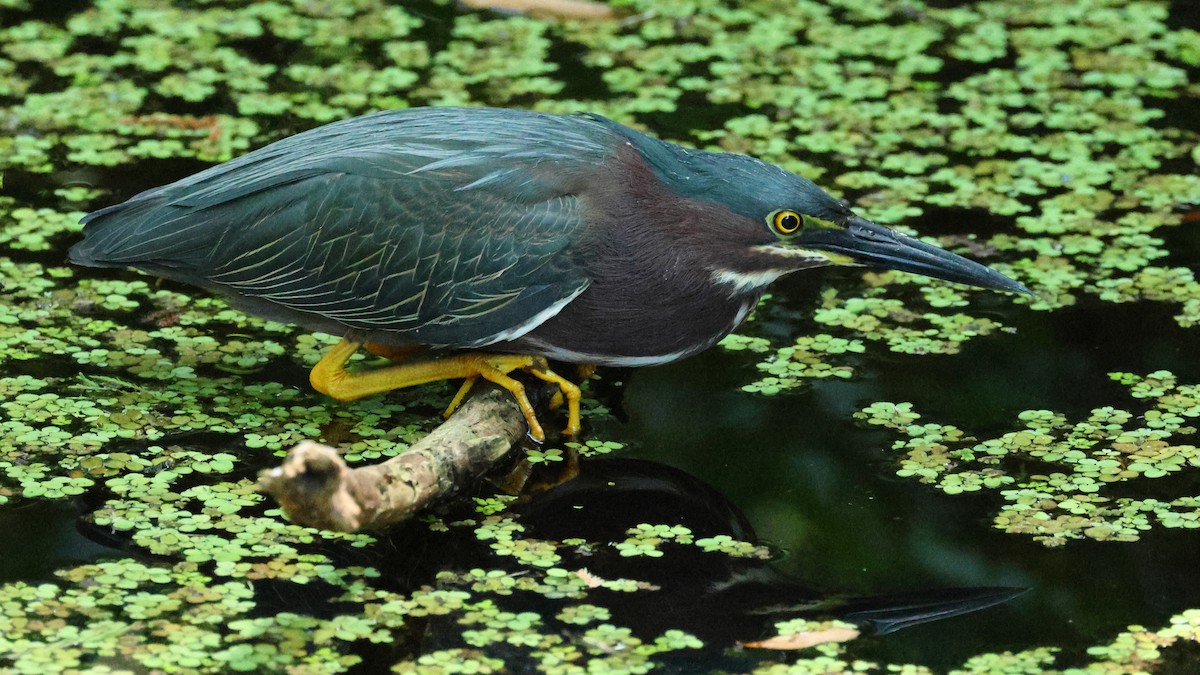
(316, 488)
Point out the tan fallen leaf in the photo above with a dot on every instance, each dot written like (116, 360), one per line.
(805, 639)
(547, 9)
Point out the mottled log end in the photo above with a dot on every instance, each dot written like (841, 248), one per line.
(313, 486)
(316, 488)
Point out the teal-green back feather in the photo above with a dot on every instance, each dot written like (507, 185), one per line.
(440, 226)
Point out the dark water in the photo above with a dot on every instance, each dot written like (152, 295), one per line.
(823, 489)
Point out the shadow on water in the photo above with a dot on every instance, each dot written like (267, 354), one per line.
(37, 537)
(723, 599)
(824, 488)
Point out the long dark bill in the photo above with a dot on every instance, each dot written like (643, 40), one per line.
(874, 245)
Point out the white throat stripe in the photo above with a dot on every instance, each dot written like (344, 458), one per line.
(746, 282)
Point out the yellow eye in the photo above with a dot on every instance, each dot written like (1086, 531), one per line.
(786, 222)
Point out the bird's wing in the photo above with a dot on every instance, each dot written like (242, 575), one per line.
(421, 226)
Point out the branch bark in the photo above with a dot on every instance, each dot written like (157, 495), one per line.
(316, 487)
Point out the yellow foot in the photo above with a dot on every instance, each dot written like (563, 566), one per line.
(331, 377)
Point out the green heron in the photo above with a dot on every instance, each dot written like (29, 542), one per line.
(498, 239)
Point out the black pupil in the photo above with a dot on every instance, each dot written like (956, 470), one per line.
(789, 221)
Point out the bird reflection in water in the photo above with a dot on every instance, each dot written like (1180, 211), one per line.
(722, 599)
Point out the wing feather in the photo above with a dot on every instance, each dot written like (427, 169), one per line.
(449, 227)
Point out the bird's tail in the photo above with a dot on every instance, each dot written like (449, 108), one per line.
(113, 236)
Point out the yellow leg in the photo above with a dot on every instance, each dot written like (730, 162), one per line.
(569, 390)
(500, 378)
(330, 377)
(404, 353)
(465, 389)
